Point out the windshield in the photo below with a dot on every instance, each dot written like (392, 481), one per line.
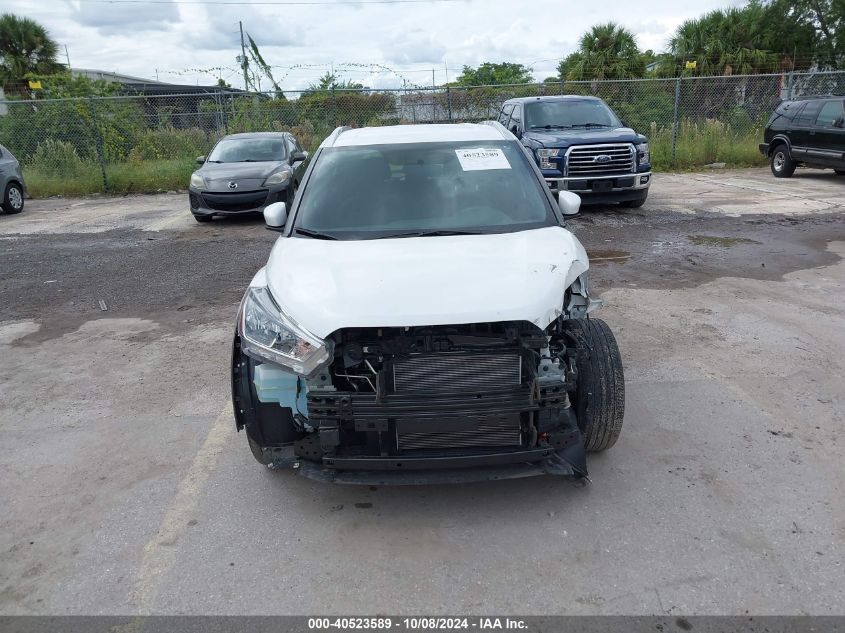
(568, 114)
(422, 188)
(248, 150)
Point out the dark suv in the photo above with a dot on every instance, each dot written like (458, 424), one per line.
(582, 146)
(807, 132)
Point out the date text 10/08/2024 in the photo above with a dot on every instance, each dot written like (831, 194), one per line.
(417, 623)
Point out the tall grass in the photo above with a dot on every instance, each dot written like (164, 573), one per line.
(701, 143)
(56, 169)
(123, 178)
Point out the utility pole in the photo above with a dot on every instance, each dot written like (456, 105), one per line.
(67, 55)
(243, 56)
(433, 85)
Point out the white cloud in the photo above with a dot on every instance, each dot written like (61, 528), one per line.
(411, 39)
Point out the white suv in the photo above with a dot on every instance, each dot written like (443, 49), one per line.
(423, 317)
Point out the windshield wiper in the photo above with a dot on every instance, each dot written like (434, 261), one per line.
(551, 127)
(437, 233)
(592, 125)
(214, 161)
(314, 234)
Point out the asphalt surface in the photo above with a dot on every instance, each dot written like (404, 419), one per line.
(124, 488)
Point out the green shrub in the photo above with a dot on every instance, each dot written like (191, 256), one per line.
(57, 158)
(169, 143)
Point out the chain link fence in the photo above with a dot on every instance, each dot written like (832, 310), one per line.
(144, 143)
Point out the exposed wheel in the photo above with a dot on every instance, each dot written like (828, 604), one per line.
(202, 218)
(840, 172)
(13, 198)
(599, 398)
(634, 204)
(781, 162)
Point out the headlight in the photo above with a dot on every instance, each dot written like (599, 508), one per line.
(267, 334)
(642, 152)
(279, 178)
(197, 181)
(545, 155)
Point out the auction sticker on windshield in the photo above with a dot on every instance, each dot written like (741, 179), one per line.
(480, 158)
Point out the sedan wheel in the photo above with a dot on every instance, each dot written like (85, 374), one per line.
(13, 199)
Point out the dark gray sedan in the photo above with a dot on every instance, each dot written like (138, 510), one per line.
(11, 182)
(246, 172)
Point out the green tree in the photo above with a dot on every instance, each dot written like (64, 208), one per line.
(606, 51)
(811, 30)
(25, 48)
(491, 74)
(330, 81)
(734, 41)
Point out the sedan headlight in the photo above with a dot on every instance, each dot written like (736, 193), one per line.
(197, 181)
(643, 153)
(267, 334)
(279, 178)
(545, 156)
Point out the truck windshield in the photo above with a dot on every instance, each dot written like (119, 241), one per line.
(248, 150)
(569, 113)
(420, 189)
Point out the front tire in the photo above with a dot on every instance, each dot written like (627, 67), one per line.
(13, 198)
(840, 172)
(781, 162)
(599, 397)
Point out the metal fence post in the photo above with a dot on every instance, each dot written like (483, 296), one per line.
(334, 108)
(449, 101)
(562, 85)
(675, 117)
(98, 141)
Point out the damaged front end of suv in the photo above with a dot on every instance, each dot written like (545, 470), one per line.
(352, 371)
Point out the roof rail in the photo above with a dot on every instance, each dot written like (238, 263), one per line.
(331, 138)
(496, 125)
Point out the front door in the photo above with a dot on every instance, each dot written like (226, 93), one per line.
(830, 134)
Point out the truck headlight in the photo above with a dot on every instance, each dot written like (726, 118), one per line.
(642, 152)
(279, 178)
(268, 334)
(545, 156)
(197, 181)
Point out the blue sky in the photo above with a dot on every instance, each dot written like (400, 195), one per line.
(177, 42)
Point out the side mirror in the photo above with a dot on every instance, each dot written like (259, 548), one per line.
(275, 216)
(200, 160)
(569, 203)
(516, 132)
(624, 123)
(298, 157)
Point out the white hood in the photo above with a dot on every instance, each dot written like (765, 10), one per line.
(326, 285)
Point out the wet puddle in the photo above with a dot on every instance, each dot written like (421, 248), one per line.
(723, 242)
(617, 257)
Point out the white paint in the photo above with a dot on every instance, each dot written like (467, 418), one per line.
(481, 159)
(326, 285)
(437, 133)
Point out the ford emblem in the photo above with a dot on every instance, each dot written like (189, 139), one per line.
(233, 185)
(602, 158)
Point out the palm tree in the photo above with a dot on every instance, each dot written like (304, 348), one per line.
(606, 51)
(25, 47)
(729, 42)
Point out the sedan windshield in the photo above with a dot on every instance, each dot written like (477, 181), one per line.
(421, 189)
(248, 150)
(569, 113)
